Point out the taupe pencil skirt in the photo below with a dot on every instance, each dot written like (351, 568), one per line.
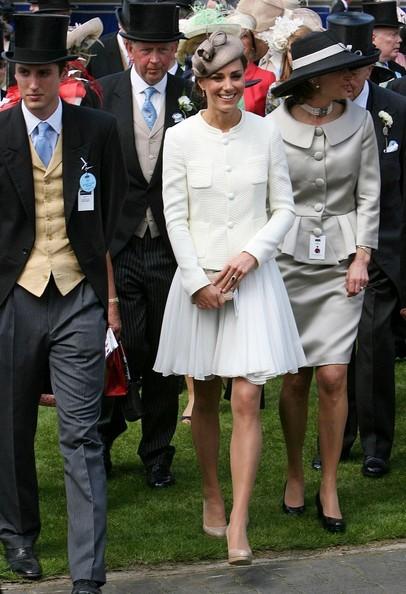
(327, 320)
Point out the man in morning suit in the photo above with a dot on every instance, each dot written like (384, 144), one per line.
(62, 180)
(144, 100)
(371, 388)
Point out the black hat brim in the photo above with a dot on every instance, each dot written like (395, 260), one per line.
(333, 64)
(150, 37)
(40, 58)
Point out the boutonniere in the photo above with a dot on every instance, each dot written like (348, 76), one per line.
(387, 122)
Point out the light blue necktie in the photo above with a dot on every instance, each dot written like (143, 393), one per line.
(148, 110)
(42, 142)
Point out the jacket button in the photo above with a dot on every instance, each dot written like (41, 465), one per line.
(317, 231)
(318, 207)
(318, 155)
(228, 168)
(318, 131)
(319, 181)
(231, 195)
(225, 141)
(230, 224)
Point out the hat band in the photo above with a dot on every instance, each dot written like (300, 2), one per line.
(317, 56)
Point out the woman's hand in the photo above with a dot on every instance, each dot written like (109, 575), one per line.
(232, 274)
(209, 297)
(357, 273)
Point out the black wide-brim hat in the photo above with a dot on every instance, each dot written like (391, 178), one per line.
(154, 22)
(354, 30)
(316, 54)
(39, 39)
(384, 13)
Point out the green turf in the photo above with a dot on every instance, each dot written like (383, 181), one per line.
(147, 526)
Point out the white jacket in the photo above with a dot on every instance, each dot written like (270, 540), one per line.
(218, 191)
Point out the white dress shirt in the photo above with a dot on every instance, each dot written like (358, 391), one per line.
(139, 85)
(362, 98)
(54, 120)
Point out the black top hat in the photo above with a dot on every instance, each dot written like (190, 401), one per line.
(316, 54)
(53, 6)
(39, 39)
(152, 21)
(384, 13)
(354, 30)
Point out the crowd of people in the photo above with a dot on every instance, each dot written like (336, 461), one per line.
(222, 186)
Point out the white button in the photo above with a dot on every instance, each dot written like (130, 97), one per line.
(317, 231)
(225, 141)
(230, 195)
(318, 155)
(230, 224)
(151, 156)
(228, 168)
(318, 207)
(319, 181)
(318, 131)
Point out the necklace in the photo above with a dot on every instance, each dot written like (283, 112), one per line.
(317, 112)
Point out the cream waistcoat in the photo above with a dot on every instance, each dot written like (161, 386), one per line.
(52, 252)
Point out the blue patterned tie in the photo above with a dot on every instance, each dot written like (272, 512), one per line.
(148, 110)
(42, 142)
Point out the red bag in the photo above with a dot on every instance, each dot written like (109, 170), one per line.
(117, 375)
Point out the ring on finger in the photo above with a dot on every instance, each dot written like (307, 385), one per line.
(233, 278)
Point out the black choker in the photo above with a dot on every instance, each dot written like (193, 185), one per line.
(317, 112)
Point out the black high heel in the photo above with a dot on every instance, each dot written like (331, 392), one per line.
(291, 511)
(331, 524)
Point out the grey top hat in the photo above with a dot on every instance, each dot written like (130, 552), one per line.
(216, 52)
(152, 21)
(384, 13)
(316, 54)
(39, 39)
(354, 30)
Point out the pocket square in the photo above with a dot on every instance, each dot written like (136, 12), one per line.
(392, 147)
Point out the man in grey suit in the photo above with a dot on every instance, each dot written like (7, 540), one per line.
(371, 386)
(61, 174)
(145, 101)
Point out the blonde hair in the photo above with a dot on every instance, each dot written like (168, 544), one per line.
(286, 68)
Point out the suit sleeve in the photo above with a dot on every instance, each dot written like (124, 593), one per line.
(114, 181)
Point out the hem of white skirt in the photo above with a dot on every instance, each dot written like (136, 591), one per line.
(257, 381)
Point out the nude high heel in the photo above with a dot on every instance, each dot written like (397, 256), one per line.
(214, 531)
(239, 556)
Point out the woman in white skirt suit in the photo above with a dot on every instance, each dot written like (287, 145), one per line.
(228, 204)
(333, 162)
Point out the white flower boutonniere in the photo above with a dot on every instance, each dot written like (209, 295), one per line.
(186, 106)
(387, 122)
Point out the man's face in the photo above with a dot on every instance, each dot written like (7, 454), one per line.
(387, 40)
(357, 81)
(152, 60)
(39, 87)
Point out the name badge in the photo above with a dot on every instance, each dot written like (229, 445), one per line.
(317, 247)
(85, 200)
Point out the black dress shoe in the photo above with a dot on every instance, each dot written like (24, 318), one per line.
(24, 563)
(159, 475)
(291, 511)
(328, 523)
(374, 467)
(86, 587)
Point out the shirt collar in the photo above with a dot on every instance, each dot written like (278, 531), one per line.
(362, 98)
(139, 85)
(54, 120)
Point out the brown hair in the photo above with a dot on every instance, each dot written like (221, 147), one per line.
(286, 68)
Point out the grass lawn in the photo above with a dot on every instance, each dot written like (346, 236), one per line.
(147, 526)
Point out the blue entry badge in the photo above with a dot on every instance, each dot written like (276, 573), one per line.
(87, 182)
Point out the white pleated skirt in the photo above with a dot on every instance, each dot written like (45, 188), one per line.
(254, 336)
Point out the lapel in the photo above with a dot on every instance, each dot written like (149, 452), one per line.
(18, 160)
(123, 110)
(375, 103)
(173, 92)
(74, 147)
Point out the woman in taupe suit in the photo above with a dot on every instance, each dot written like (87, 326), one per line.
(333, 163)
